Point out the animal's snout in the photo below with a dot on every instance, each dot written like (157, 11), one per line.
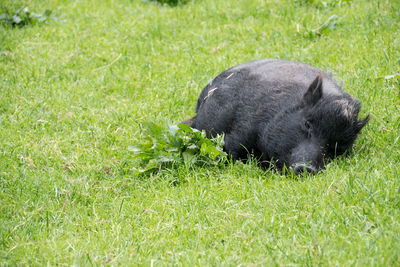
(307, 157)
(299, 168)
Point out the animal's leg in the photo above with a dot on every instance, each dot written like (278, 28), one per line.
(234, 147)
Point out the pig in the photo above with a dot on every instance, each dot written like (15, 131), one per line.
(287, 114)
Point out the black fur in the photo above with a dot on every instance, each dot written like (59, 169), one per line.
(284, 112)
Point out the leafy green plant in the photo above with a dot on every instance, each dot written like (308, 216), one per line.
(392, 76)
(171, 2)
(179, 144)
(330, 24)
(23, 17)
(326, 3)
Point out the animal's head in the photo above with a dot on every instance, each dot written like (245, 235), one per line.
(309, 133)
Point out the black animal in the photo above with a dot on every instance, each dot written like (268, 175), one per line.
(285, 113)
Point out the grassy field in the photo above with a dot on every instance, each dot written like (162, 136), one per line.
(76, 92)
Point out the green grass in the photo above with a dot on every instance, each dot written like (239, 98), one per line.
(76, 92)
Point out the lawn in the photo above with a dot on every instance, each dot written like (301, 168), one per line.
(76, 91)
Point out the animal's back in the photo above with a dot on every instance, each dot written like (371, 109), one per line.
(253, 92)
(279, 71)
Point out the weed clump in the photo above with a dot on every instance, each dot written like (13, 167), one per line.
(329, 25)
(179, 144)
(171, 2)
(23, 17)
(321, 3)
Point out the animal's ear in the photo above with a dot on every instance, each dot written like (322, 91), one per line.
(360, 124)
(314, 92)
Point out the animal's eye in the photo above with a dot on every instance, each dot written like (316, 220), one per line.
(307, 125)
(307, 128)
(339, 149)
